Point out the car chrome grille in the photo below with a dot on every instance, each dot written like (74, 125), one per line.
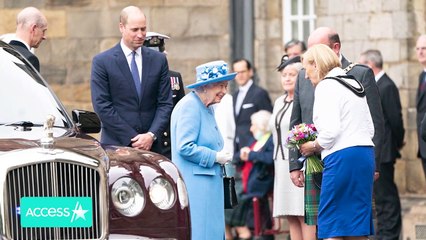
(52, 179)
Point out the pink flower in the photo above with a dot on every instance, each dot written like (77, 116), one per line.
(300, 134)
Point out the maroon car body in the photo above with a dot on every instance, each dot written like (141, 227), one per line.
(134, 194)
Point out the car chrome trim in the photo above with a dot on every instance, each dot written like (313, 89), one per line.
(23, 172)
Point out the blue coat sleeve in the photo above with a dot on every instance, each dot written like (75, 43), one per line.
(191, 144)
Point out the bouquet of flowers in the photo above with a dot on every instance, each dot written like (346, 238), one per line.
(300, 134)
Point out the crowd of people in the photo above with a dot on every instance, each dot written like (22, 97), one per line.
(355, 108)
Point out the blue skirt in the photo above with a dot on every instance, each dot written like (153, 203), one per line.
(345, 207)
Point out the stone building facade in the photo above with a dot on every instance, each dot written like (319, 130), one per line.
(200, 32)
(390, 26)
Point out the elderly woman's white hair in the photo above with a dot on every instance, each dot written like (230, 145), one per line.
(261, 120)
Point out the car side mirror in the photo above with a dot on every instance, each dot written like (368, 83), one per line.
(86, 121)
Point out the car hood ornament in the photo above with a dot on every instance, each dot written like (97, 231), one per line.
(47, 142)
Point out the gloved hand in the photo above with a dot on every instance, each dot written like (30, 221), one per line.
(223, 157)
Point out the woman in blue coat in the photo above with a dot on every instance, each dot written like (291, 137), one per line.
(196, 149)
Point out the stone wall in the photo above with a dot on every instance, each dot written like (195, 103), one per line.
(268, 44)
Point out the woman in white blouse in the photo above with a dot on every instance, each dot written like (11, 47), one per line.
(345, 131)
(288, 199)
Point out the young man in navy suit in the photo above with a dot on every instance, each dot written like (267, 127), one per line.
(30, 32)
(130, 89)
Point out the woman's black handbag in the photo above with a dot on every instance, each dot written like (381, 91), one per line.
(230, 195)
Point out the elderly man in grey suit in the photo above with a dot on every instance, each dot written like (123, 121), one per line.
(304, 100)
(304, 96)
(30, 32)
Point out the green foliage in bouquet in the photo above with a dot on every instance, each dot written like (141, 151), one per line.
(301, 134)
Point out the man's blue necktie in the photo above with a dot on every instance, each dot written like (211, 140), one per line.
(135, 74)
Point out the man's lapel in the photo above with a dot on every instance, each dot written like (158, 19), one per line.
(146, 66)
(121, 62)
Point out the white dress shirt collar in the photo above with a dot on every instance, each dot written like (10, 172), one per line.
(127, 51)
(246, 87)
(379, 75)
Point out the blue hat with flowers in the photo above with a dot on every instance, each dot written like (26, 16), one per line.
(211, 72)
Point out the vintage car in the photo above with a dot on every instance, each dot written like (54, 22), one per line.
(57, 182)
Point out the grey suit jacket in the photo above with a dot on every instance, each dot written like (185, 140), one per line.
(303, 103)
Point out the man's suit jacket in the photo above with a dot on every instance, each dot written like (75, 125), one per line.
(26, 53)
(178, 92)
(123, 113)
(394, 127)
(303, 103)
(421, 110)
(255, 100)
(422, 131)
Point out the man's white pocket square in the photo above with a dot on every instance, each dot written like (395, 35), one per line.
(247, 105)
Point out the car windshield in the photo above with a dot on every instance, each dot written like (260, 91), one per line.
(24, 97)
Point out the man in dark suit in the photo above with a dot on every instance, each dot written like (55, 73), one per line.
(130, 88)
(30, 32)
(421, 97)
(388, 205)
(249, 99)
(156, 41)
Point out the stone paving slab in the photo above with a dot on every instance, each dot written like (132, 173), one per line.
(413, 208)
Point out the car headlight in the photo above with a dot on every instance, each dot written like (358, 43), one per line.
(161, 193)
(127, 197)
(183, 194)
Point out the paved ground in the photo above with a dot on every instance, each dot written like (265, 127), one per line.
(407, 201)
